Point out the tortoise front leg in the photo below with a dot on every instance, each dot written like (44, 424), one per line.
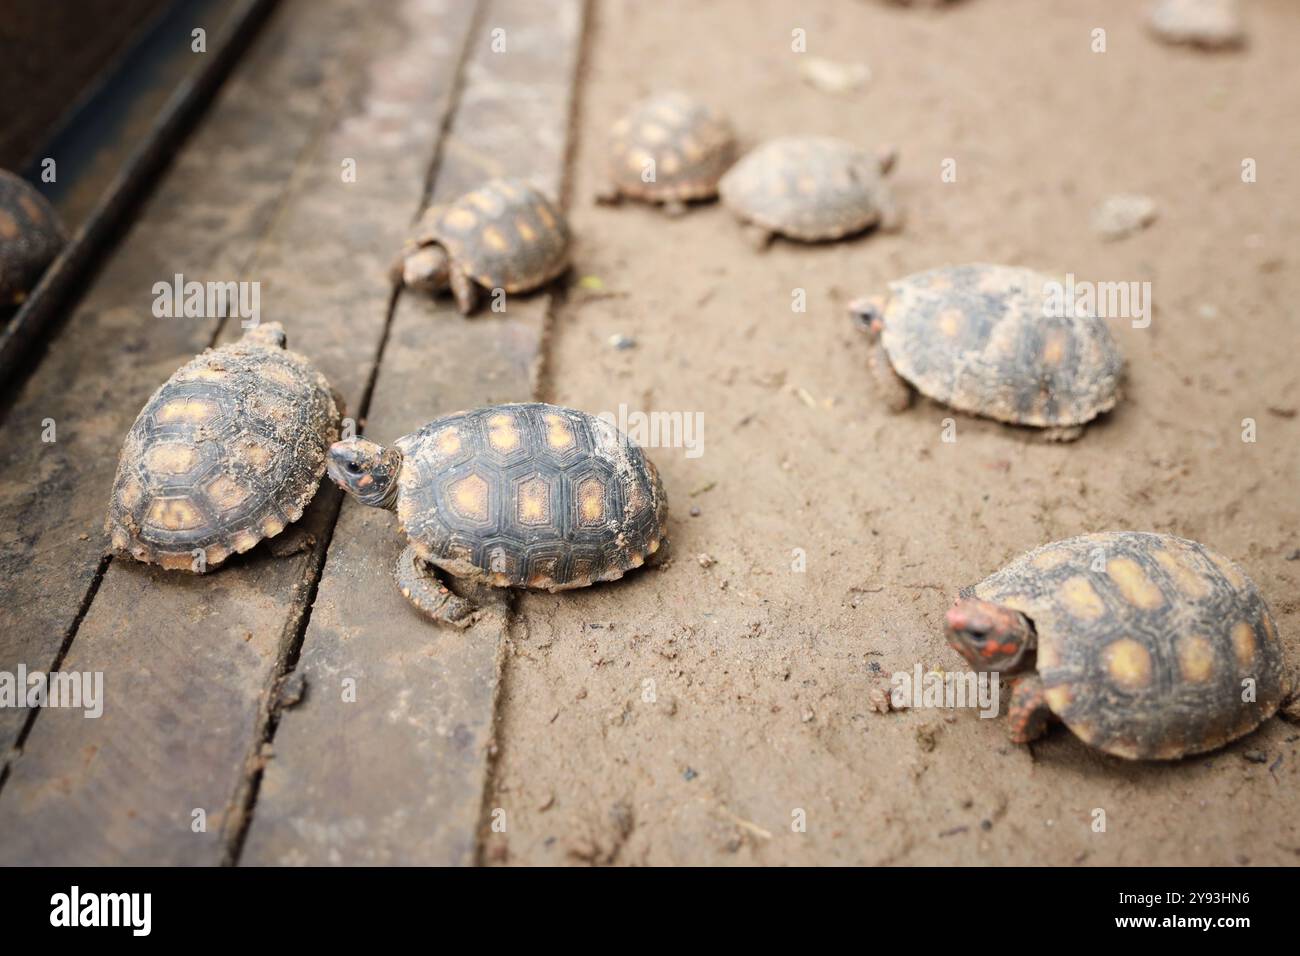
(423, 587)
(464, 290)
(1028, 712)
(894, 390)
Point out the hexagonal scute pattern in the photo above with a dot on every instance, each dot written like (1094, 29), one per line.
(227, 452)
(530, 495)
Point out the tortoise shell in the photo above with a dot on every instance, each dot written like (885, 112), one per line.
(1146, 641)
(529, 495)
(30, 237)
(504, 235)
(975, 337)
(809, 188)
(227, 452)
(686, 144)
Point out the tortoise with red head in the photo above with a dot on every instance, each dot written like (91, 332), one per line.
(503, 235)
(523, 496)
(668, 149)
(1146, 646)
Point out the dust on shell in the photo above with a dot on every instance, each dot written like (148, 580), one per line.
(529, 495)
(688, 145)
(227, 452)
(807, 188)
(974, 337)
(505, 234)
(1144, 658)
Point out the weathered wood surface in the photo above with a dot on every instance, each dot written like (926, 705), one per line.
(112, 150)
(204, 221)
(397, 775)
(190, 662)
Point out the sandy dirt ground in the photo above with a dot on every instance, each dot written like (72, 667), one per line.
(698, 714)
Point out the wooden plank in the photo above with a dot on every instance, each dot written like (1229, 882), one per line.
(113, 147)
(189, 662)
(111, 354)
(397, 775)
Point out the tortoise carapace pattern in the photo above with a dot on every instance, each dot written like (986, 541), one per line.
(227, 452)
(984, 340)
(810, 188)
(523, 495)
(1148, 646)
(30, 237)
(503, 235)
(668, 149)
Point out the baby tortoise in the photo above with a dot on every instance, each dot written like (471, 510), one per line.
(668, 149)
(1146, 645)
(504, 235)
(30, 237)
(810, 188)
(976, 338)
(227, 452)
(524, 496)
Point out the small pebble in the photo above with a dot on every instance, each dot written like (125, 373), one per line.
(689, 775)
(621, 342)
(1123, 215)
(695, 511)
(706, 560)
(832, 77)
(1210, 24)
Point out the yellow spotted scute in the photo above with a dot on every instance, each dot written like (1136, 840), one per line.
(670, 147)
(227, 452)
(505, 234)
(529, 495)
(1149, 646)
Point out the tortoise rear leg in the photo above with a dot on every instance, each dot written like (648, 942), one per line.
(464, 290)
(423, 587)
(1028, 712)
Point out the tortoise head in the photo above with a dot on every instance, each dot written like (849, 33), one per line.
(426, 268)
(868, 314)
(990, 636)
(366, 471)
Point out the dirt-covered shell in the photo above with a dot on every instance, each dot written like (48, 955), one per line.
(227, 452)
(1147, 643)
(505, 235)
(30, 237)
(810, 188)
(685, 144)
(529, 495)
(977, 338)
